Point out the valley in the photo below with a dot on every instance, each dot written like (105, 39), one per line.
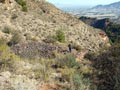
(100, 11)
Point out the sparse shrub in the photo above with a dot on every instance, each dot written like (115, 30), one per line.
(2, 41)
(23, 4)
(81, 83)
(69, 61)
(44, 70)
(50, 39)
(7, 30)
(28, 36)
(7, 57)
(24, 8)
(77, 47)
(90, 56)
(60, 36)
(16, 38)
(14, 16)
(86, 70)
(67, 73)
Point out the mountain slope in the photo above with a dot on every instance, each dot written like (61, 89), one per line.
(32, 64)
(43, 19)
(115, 5)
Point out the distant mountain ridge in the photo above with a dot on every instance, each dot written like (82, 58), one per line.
(115, 5)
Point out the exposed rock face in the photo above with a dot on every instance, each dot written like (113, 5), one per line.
(44, 19)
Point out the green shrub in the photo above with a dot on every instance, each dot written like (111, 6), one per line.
(60, 36)
(24, 8)
(23, 4)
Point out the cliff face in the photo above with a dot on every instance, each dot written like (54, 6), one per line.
(43, 19)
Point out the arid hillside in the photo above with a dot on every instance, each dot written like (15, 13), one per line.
(38, 19)
(34, 52)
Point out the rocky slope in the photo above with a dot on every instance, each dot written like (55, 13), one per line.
(43, 19)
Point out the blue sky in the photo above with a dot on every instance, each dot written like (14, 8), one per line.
(82, 2)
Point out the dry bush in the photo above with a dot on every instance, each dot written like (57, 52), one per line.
(108, 63)
(67, 61)
(7, 57)
(16, 38)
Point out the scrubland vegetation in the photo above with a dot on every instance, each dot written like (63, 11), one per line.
(71, 75)
(66, 65)
(34, 52)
